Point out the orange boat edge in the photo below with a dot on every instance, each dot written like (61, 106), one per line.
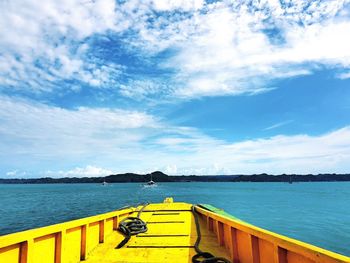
(171, 235)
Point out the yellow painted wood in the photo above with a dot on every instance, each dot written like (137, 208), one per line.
(170, 238)
(152, 247)
(72, 245)
(43, 249)
(93, 238)
(10, 253)
(305, 252)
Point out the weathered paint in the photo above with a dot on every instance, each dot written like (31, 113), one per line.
(170, 238)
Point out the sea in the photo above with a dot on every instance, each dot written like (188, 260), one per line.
(314, 212)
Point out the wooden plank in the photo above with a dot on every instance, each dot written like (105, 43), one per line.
(102, 231)
(115, 222)
(220, 233)
(210, 224)
(58, 247)
(26, 251)
(255, 249)
(227, 237)
(244, 246)
(23, 252)
(279, 255)
(83, 243)
(215, 226)
(72, 245)
(266, 250)
(63, 245)
(234, 250)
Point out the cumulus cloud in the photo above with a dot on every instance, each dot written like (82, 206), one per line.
(226, 48)
(171, 49)
(35, 131)
(45, 136)
(234, 51)
(278, 154)
(218, 48)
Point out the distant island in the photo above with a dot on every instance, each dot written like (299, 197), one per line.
(161, 177)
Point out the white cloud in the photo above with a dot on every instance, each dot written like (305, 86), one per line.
(234, 48)
(170, 5)
(219, 48)
(16, 173)
(215, 49)
(88, 171)
(38, 138)
(171, 170)
(345, 75)
(143, 89)
(279, 154)
(11, 173)
(42, 43)
(41, 132)
(231, 54)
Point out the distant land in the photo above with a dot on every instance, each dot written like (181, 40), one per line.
(161, 177)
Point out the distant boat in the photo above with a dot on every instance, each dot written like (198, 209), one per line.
(151, 182)
(104, 183)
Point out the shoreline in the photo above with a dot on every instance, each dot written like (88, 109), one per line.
(161, 178)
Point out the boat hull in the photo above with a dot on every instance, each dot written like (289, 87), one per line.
(170, 237)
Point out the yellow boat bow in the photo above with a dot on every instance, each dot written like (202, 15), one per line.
(171, 235)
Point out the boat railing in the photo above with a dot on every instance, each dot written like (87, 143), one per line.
(73, 241)
(247, 243)
(65, 242)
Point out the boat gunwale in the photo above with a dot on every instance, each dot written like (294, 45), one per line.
(30, 234)
(306, 250)
(34, 233)
(312, 252)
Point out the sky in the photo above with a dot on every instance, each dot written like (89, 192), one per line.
(95, 87)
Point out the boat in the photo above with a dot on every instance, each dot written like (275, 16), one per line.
(104, 183)
(151, 182)
(167, 232)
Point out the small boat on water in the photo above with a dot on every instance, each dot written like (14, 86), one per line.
(151, 182)
(104, 183)
(160, 232)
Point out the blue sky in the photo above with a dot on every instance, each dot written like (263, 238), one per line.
(90, 88)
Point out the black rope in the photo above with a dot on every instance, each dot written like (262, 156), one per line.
(131, 226)
(201, 256)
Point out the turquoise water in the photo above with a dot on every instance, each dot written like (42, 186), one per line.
(318, 213)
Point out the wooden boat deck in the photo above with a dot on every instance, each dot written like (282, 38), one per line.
(170, 238)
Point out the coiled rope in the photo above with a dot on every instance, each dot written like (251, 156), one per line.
(201, 256)
(131, 226)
